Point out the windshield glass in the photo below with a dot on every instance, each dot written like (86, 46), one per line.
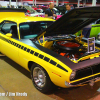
(32, 29)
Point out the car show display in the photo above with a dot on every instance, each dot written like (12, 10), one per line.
(51, 50)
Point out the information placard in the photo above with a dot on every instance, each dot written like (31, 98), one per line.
(91, 44)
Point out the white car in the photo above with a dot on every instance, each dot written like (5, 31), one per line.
(32, 12)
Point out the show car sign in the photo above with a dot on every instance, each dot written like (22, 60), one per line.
(91, 44)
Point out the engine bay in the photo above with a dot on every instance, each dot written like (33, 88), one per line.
(69, 49)
(72, 47)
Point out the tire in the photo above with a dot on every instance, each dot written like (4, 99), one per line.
(41, 79)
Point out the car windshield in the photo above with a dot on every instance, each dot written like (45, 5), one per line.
(32, 29)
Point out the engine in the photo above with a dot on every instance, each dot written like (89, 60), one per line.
(69, 49)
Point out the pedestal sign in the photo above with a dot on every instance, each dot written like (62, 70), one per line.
(91, 44)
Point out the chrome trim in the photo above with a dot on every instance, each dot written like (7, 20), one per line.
(95, 80)
(39, 77)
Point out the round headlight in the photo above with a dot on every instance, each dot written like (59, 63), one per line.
(73, 74)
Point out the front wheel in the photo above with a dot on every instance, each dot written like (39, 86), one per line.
(41, 79)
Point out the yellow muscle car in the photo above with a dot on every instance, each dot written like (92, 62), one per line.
(49, 49)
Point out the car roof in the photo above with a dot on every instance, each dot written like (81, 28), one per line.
(25, 19)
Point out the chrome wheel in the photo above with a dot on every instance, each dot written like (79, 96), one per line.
(39, 77)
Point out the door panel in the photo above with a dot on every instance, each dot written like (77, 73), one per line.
(8, 47)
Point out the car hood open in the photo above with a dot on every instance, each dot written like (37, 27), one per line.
(72, 22)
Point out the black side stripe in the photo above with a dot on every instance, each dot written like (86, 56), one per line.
(36, 54)
(19, 46)
(62, 68)
(28, 50)
(41, 56)
(46, 59)
(6, 40)
(25, 49)
(33, 53)
(53, 62)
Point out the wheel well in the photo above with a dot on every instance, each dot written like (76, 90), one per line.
(30, 64)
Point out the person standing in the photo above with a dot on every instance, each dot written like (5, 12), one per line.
(50, 13)
(0, 6)
(8, 6)
(68, 8)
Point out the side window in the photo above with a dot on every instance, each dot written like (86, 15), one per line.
(1, 24)
(9, 27)
(24, 30)
(6, 27)
(30, 30)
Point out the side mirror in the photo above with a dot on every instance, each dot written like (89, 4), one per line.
(9, 35)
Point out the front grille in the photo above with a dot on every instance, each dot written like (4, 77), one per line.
(84, 81)
(96, 69)
(87, 72)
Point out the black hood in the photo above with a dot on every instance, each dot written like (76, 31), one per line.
(72, 22)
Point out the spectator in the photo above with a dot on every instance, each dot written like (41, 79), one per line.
(12, 6)
(68, 8)
(50, 13)
(8, 6)
(0, 6)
